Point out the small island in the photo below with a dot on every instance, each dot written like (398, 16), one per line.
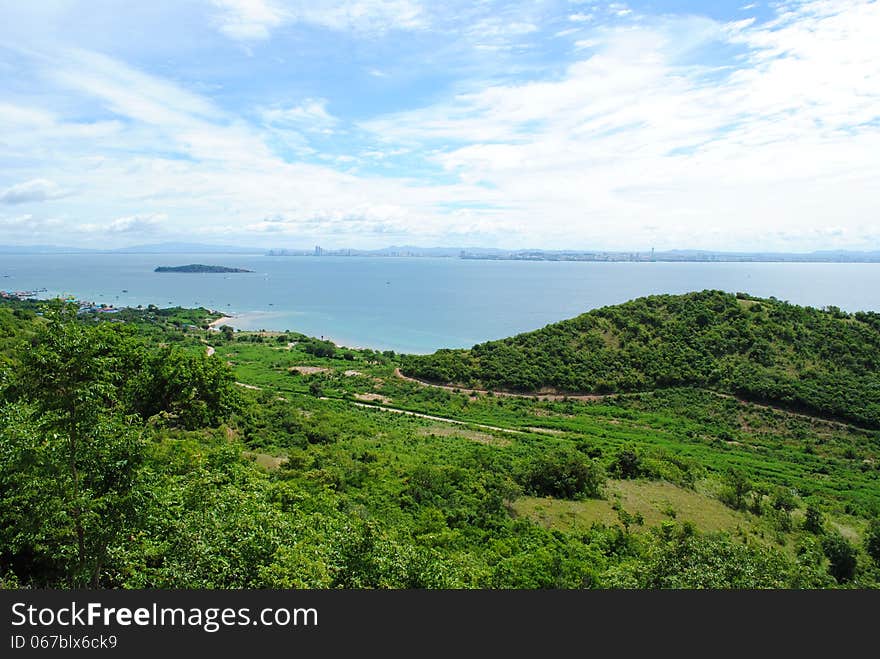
(198, 267)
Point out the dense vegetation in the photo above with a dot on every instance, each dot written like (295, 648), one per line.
(823, 362)
(133, 457)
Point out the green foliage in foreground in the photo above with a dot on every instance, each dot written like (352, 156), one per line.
(72, 440)
(128, 459)
(821, 362)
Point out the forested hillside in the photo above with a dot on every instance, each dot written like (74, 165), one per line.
(819, 361)
(142, 450)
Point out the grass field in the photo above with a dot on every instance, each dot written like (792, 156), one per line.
(655, 501)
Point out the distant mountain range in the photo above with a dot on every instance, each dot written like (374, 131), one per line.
(42, 249)
(482, 253)
(159, 248)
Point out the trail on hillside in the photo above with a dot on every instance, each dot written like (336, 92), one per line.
(536, 396)
(594, 397)
(420, 415)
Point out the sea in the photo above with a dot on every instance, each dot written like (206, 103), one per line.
(417, 304)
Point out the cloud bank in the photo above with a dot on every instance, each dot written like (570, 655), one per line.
(550, 124)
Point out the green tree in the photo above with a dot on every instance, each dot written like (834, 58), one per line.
(688, 560)
(194, 389)
(841, 557)
(627, 463)
(783, 499)
(564, 473)
(65, 503)
(813, 520)
(70, 457)
(737, 485)
(627, 519)
(872, 540)
(315, 388)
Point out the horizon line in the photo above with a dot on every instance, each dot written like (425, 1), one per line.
(461, 250)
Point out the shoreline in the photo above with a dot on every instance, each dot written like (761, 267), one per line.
(222, 320)
(235, 319)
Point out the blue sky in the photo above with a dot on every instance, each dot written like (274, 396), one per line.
(551, 124)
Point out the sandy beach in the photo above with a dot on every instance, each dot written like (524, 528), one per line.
(223, 320)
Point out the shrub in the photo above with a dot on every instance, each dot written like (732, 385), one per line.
(627, 463)
(872, 540)
(566, 474)
(813, 520)
(841, 557)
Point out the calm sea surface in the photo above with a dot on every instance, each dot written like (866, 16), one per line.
(419, 304)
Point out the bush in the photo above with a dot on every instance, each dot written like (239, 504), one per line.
(627, 463)
(872, 540)
(566, 474)
(320, 348)
(813, 520)
(681, 558)
(841, 557)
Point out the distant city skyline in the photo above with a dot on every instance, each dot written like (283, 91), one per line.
(558, 124)
(472, 252)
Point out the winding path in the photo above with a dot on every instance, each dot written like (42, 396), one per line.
(444, 419)
(509, 394)
(593, 397)
(554, 397)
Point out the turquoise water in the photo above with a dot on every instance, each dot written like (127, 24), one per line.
(419, 304)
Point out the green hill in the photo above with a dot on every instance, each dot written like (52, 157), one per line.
(823, 362)
(135, 455)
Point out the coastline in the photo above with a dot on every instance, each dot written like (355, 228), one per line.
(235, 320)
(222, 320)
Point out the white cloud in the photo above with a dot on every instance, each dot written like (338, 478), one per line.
(130, 224)
(254, 20)
(173, 148)
(248, 20)
(160, 113)
(776, 147)
(137, 223)
(36, 190)
(28, 226)
(15, 115)
(789, 139)
(311, 114)
(374, 16)
(127, 91)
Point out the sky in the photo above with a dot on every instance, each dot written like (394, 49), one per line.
(554, 124)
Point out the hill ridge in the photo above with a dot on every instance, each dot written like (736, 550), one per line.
(822, 362)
